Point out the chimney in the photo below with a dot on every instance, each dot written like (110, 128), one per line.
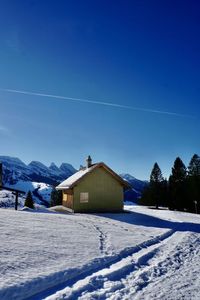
(1, 175)
(88, 162)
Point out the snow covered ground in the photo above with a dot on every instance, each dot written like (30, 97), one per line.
(143, 254)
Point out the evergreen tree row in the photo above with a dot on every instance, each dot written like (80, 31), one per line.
(180, 192)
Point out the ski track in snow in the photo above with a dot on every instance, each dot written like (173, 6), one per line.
(117, 266)
(139, 271)
(129, 276)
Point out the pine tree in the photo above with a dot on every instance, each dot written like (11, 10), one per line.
(56, 197)
(156, 180)
(146, 198)
(177, 185)
(164, 193)
(29, 200)
(194, 166)
(153, 194)
(193, 181)
(156, 174)
(179, 170)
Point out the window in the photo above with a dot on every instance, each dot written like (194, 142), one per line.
(84, 197)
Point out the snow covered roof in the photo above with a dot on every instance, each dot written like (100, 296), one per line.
(75, 178)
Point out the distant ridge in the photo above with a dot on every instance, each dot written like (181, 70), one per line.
(135, 193)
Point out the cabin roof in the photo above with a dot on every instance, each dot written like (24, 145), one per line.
(73, 180)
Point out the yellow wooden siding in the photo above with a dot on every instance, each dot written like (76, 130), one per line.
(67, 200)
(105, 192)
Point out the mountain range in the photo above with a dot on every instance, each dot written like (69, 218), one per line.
(14, 170)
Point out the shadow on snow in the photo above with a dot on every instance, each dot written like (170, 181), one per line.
(140, 219)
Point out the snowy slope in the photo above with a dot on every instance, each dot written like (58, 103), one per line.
(14, 169)
(7, 199)
(67, 168)
(138, 186)
(144, 254)
(39, 168)
(41, 193)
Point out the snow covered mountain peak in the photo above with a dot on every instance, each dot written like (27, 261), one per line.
(14, 169)
(53, 166)
(8, 160)
(127, 176)
(39, 167)
(67, 167)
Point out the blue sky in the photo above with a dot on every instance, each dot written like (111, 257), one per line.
(143, 54)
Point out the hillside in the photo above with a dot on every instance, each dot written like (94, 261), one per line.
(143, 254)
(137, 187)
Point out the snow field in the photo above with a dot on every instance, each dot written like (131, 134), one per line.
(145, 254)
(40, 250)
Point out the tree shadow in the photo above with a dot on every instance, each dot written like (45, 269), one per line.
(141, 219)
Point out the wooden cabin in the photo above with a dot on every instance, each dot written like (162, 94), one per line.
(94, 188)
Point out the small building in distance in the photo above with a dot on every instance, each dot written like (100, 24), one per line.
(94, 188)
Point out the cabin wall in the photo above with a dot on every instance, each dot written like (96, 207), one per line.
(67, 200)
(105, 193)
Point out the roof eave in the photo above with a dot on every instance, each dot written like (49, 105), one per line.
(63, 188)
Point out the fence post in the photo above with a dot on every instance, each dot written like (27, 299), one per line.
(1, 174)
(16, 200)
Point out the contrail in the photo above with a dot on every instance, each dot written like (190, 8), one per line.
(95, 102)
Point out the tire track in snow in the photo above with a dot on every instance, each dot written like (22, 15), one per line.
(117, 267)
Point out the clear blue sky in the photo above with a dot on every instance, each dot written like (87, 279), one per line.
(143, 54)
